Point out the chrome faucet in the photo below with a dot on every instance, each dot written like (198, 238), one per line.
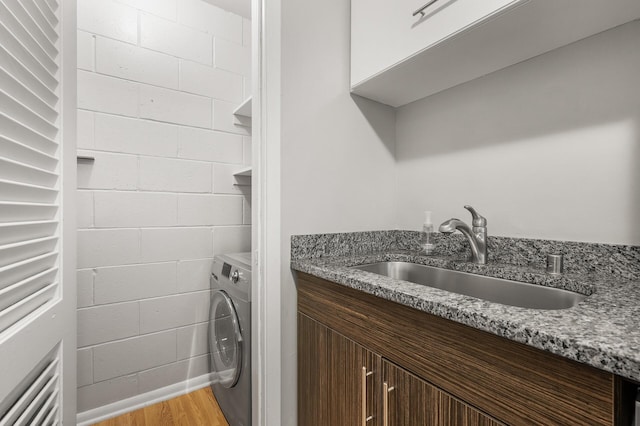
(477, 235)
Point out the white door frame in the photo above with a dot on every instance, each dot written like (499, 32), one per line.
(266, 218)
(69, 187)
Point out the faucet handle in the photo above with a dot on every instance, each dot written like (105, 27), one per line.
(478, 220)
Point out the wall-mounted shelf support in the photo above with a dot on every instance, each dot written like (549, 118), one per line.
(242, 114)
(244, 109)
(243, 172)
(243, 177)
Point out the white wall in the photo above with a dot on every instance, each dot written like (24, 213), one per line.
(548, 148)
(337, 151)
(157, 82)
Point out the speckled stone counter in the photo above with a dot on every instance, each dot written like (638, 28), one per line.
(602, 331)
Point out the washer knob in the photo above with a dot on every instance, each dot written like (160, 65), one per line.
(235, 276)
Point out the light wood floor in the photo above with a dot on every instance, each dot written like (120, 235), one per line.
(198, 408)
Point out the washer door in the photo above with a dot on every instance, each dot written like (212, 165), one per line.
(225, 339)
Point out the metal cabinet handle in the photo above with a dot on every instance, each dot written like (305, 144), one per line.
(385, 403)
(365, 374)
(421, 10)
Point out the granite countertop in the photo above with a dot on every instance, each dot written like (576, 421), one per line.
(602, 331)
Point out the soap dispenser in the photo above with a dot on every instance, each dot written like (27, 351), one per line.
(426, 243)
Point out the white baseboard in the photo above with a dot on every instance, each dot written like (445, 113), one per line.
(90, 417)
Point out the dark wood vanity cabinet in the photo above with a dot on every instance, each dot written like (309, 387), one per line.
(366, 361)
(342, 383)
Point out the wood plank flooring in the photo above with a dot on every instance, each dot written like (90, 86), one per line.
(198, 408)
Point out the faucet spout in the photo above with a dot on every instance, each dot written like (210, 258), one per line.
(452, 225)
(477, 236)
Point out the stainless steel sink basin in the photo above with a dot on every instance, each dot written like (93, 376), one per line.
(496, 290)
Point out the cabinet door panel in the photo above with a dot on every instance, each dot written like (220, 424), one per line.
(453, 412)
(384, 32)
(312, 367)
(351, 387)
(331, 390)
(411, 401)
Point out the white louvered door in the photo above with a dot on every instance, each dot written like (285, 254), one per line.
(37, 186)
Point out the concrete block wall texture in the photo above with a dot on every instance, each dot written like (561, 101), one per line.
(157, 84)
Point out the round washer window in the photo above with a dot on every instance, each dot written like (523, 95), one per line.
(225, 340)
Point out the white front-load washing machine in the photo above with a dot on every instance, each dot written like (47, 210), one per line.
(230, 336)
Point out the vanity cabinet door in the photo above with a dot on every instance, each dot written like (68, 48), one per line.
(338, 380)
(453, 412)
(407, 400)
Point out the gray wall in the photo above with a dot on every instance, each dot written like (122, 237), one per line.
(159, 201)
(337, 157)
(548, 148)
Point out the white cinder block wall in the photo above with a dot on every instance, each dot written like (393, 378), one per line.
(157, 83)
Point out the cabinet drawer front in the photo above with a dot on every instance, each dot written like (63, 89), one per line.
(384, 32)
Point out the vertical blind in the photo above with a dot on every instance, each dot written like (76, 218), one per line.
(29, 152)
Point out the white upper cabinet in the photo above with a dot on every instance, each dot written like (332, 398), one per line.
(385, 32)
(398, 57)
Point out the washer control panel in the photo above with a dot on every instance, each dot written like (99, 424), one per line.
(231, 274)
(228, 274)
(226, 270)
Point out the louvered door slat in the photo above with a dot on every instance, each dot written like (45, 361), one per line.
(29, 415)
(20, 310)
(26, 77)
(18, 50)
(14, 88)
(27, 116)
(15, 191)
(16, 211)
(43, 412)
(19, 291)
(10, 288)
(53, 4)
(30, 391)
(21, 270)
(47, 12)
(8, 18)
(36, 14)
(24, 231)
(50, 419)
(14, 130)
(44, 40)
(25, 173)
(24, 154)
(17, 252)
